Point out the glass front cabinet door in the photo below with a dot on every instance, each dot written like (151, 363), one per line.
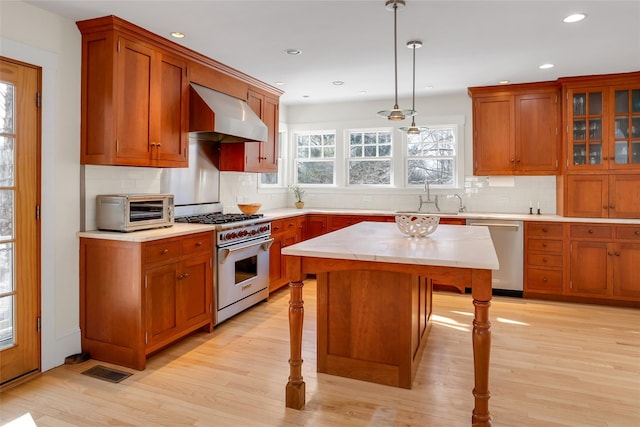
(587, 126)
(603, 127)
(626, 129)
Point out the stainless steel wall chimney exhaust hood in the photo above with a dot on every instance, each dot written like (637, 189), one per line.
(215, 116)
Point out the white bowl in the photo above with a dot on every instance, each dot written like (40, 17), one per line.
(419, 225)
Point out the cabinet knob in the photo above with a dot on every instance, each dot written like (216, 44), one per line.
(544, 244)
(276, 228)
(545, 260)
(198, 244)
(605, 207)
(617, 253)
(612, 207)
(262, 158)
(544, 279)
(590, 231)
(513, 160)
(610, 253)
(517, 160)
(637, 233)
(544, 230)
(164, 251)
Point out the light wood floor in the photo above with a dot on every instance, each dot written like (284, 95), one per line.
(552, 364)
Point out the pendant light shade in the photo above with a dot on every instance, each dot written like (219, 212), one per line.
(396, 113)
(413, 129)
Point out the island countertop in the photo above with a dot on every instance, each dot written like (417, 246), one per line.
(449, 246)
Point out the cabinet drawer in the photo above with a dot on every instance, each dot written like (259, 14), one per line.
(544, 245)
(544, 230)
(277, 226)
(544, 280)
(628, 232)
(589, 231)
(161, 251)
(199, 243)
(544, 260)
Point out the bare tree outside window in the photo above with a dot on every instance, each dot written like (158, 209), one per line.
(431, 156)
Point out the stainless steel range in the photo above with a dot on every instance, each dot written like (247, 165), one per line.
(242, 260)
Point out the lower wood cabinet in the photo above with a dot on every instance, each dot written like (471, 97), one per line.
(285, 232)
(136, 298)
(588, 262)
(604, 261)
(543, 257)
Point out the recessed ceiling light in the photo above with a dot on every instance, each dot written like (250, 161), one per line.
(177, 35)
(305, 96)
(337, 82)
(504, 82)
(293, 51)
(362, 92)
(279, 83)
(545, 66)
(576, 17)
(428, 87)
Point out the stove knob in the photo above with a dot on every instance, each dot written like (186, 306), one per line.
(233, 235)
(253, 232)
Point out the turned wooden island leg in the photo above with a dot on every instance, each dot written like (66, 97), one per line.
(481, 292)
(295, 389)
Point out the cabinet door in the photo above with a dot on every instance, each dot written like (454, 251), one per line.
(269, 149)
(493, 128)
(161, 305)
(316, 225)
(169, 140)
(276, 262)
(590, 273)
(252, 149)
(194, 290)
(626, 258)
(536, 126)
(624, 196)
(587, 129)
(587, 196)
(133, 103)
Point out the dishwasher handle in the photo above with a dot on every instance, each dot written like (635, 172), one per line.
(496, 224)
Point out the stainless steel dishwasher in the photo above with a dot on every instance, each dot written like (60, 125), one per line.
(508, 239)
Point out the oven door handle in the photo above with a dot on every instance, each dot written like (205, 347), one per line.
(225, 252)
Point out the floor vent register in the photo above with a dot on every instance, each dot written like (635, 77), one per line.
(106, 374)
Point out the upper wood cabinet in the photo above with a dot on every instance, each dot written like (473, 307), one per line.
(134, 100)
(255, 156)
(602, 122)
(516, 129)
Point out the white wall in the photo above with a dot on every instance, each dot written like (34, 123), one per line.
(40, 38)
(480, 194)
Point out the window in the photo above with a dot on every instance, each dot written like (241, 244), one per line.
(369, 157)
(315, 157)
(432, 155)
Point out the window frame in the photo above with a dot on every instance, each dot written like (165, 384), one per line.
(295, 159)
(347, 156)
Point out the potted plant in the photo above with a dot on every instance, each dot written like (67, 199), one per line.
(297, 193)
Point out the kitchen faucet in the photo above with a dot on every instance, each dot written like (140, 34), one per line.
(461, 208)
(428, 200)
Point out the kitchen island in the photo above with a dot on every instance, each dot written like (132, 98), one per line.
(371, 271)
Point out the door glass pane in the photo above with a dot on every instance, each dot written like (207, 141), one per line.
(7, 291)
(6, 214)
(579, 101)
(595, 103)
(622, 127)
(635, 152)
(595, 129)
(635, 128)
(595, 154)
(622, 154)
(635, 100)
(622, 101)
(7, 103)
(579, 130)
(6, 161)
(579, 154)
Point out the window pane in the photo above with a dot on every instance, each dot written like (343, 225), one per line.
(6, 161)
(7, 103)
(316, 140)
(355, 152)
(370, 151)
(6, 268)
(269, 178)
(370, 172)
(355, 138)
(315, 172)
(431, 156)
(302, 140)
(384, 150)
(437, 171)
(303, 153)
(316, 152)
(329, 151)
(6, 214)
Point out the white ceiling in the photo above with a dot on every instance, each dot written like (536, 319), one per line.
(465, 43)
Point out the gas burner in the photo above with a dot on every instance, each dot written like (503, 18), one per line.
(217, 218)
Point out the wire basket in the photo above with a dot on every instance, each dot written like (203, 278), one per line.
(417, 225)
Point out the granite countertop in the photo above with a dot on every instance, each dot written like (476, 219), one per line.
(448, 246)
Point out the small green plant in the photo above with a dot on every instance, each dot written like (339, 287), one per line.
(297, 192)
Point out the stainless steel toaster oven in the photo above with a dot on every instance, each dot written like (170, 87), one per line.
(132, 212)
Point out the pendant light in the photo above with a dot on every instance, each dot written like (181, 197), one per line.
(413, 129)
(396, 113)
